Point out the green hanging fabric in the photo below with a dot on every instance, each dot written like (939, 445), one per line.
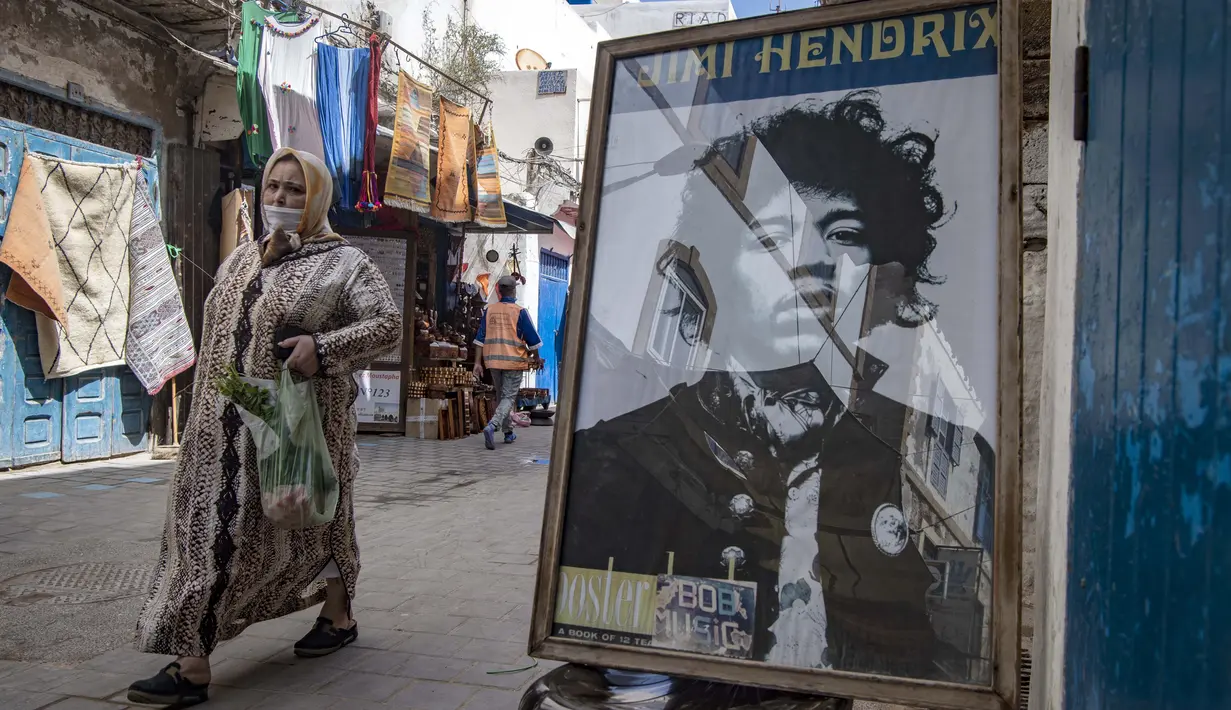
(248, 91)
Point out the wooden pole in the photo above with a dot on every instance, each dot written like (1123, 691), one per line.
(175, 411)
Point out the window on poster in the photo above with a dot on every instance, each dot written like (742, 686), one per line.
(676, 335)
(773, 500)
(987, 505)
(943, 444)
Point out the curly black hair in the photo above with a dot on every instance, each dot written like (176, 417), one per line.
(845, 148)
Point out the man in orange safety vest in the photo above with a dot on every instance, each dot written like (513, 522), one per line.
(508, 345)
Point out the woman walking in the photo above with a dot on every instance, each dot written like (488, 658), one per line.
(303, 295)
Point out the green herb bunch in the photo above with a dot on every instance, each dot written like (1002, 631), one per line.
(250, 397)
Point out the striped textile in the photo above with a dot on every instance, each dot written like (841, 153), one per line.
(407, 186)
(341, 103)
(67, 243)
(490, 211)
(369, 191)
(159, 343)
(451, 202)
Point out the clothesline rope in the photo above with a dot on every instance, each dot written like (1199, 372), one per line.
(191, 263)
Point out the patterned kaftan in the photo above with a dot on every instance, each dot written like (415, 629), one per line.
(223, 564)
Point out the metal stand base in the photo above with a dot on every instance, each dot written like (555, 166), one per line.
(573, 687)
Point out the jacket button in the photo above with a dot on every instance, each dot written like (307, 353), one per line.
(732, 554)
(741, 505)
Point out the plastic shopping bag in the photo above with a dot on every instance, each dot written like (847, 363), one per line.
(299, 488)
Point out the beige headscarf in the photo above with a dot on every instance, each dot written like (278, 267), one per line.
(314, 227)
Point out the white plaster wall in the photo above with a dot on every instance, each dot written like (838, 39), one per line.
(549, 27)
(218, 117)
(520, 117)
(1065, 157)
(935, 360)
(630, 19)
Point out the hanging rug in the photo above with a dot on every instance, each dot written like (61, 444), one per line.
(67, 243)
(159, 339)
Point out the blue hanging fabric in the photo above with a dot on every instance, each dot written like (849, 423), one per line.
(341, 103)
(357, 68)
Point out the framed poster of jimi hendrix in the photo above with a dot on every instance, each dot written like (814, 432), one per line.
(787, 447)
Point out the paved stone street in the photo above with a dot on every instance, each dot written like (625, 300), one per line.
(449, 534)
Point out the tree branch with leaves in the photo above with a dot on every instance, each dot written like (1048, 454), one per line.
(466, 52)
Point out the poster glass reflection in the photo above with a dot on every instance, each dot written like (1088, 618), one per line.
(784, 426)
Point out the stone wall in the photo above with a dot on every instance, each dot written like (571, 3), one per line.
(1036, 67)
(121, 68)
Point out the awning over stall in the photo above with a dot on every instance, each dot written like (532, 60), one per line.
(521, 221)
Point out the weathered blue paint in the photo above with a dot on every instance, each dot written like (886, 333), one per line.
(90, 416)
(1148, 617)
(553, 288)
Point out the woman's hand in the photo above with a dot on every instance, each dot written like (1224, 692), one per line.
(303, 354)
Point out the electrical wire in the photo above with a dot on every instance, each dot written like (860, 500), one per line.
(215, 60)
(944, 519)
(547, 164)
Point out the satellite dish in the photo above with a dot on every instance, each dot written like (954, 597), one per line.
(544, 146)
(530, 60)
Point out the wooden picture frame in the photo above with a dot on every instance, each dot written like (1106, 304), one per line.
(1002, 692)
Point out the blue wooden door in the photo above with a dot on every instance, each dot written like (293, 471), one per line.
(1148, 624)
(553, 287)
(32, 418)
(9, 167)
(129, 410)
(90, 416)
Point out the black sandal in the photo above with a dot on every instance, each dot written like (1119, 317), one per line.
(325, 638)
(168, 688)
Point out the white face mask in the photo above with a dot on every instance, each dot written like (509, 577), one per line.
(284, 217)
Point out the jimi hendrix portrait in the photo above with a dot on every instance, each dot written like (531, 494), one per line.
(780, 463)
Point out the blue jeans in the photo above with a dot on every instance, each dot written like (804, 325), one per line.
(507, 383)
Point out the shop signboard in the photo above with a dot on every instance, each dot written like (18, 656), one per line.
(797, 289)
(389, 256)
(378, 396)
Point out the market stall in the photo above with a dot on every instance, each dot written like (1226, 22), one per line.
(444, 399)
(405, 194)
